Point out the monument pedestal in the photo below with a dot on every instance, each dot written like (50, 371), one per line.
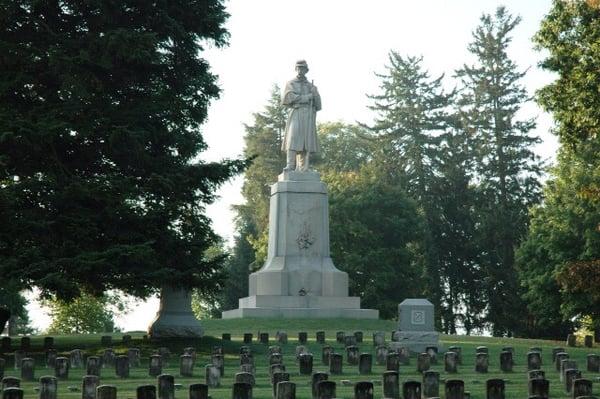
(416, 329)
(299, 279)
(175, 318)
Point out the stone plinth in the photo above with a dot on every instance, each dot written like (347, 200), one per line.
(175, 318)
(416, 325)
(299, 279)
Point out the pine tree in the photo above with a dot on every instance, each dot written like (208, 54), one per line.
(507, 169)
(101, 105)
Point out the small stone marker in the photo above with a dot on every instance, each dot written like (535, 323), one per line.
(11, 382)
(391, 385)
(378, 338)
(263, 338)
(570, 376)
(247, 368)
(12, 393)
(352, 355)
(218, 361)
(247, 338)
(403, 355)
(411, 390)
(326, 352)
(365, 363)
(146, 392)
(571, 340)
(423, 362)
(588, 342)
(224, 337)
(276, 368)
(19, 356)
(275, 349)
(363, 390)
(315, 379)
(381, 353)
(450, 362)
(48, 342)
(564, 365)
(285, 390)
(532, 374)
(76, 358)
(108, 358)
(216, 350)
(155, 366)
(126, 339)
(432, 351)
(122, 366)
(339, 337)
(392, 362)
(300, 349)
(582, 387)
(92, 367)
(482, 349)
(593, 363)
(431, 384)
(358, 336)
(482, 362)
(326, 390)
(302, 338)
(539, 387)
(49, 388)
(27, 369)
(241, 390)
(455, 389)
(246, 358)
(61, 368)
(198, 391)
(106, 391)
(349, 340)
(88, 386)
(495, 388)
(247, 378)
(320, 336)
(213, 376)
(133, 354)
(506, 361)
(275, 358)
(335, 363)
(555, 351)
(534, 360)
(458, 351)
(186, 366)
(559, 358)
(282, 337)
(306, 363)
(166, 386)
(165, 354)
(51, 355)
(277, 378)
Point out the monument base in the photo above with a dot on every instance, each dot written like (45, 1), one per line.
(415, 341)
(300, 307)
(175, 318)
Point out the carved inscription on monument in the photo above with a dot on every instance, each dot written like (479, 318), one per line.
(305, 238)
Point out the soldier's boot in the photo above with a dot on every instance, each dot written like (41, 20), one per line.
(291, 161)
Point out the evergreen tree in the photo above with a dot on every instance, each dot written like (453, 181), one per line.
(412, 115)
(560, 259)
(100, 111)
(507, 169)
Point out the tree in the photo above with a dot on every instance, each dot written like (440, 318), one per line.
(507, 170)
(14, 310)
(411, 117)
(85, 314)
(564, 229)
(100, 112)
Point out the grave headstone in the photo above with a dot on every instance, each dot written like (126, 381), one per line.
(392, 362)
(570, 376)
(352, 355)
(27, 369)
(106, 392)
(391, 385)
(122, 366)
(302, 337)
(335, 363)
(531, 374)
(403, 355)
(581, 387)
(155, 366)
(276, 368)
(320, 336)
(133, 354)
(593, 363)
(166, 386)
(455, 389)
(432, 351)
(482, 362)
(381, 353)
(482, 349)
(275, 358)
(365, 363)
(246, 358)
(300, 349)
(12, 393)
(218, 361)
(326, 351)
(10, 382)
(76, 358)
(247, 378)
(458, 351)
(339, 337)
(495, 388)
(224, 337)
(378, 338)
(571, 340)
(247, 338)
(534, 360)
(315, 379)
(48, 342)
(326, 390)
(49, 388)
(108, 358)
(198, 391)
(363, 390)
(264, 338)
(51, 355)
(19, 355)
(126, 339)
(213, 376)
(145, 392)
(349, 340)
(539, 387)
(358, 336)
(5, 344)
(450, 362)
(275, 349)
(423, 362)
(89, 385)
(61, 368)
(241, 390)
(285, 390)
(165, 354)
(506, 361)
(186, 366)
(247, 368)
(564, 365)
(558, 358)
(92, 367)
(555, 351)
(416, 325)
(282, 337)
(588, 341)
(431, 384)
(277, 378)
(306, 364)
(411, 390)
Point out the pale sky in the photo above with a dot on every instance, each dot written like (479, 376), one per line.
(344, 42)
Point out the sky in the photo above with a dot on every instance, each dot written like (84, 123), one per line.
(345, 43)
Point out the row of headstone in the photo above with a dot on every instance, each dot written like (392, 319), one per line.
(282, 337)
(588, 341)
(6, 343)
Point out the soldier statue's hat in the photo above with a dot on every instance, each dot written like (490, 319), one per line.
(301, 63)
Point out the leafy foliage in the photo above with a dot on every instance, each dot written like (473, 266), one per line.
(86, 314)
(100, 113)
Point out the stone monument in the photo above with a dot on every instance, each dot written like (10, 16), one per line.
(175, 318)
(416, 329)
(299, 279)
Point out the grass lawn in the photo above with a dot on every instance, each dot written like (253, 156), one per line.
(516, 381)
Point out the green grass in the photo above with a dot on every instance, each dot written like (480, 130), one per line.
(516, 384)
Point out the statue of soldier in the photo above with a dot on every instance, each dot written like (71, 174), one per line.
(303, 101)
